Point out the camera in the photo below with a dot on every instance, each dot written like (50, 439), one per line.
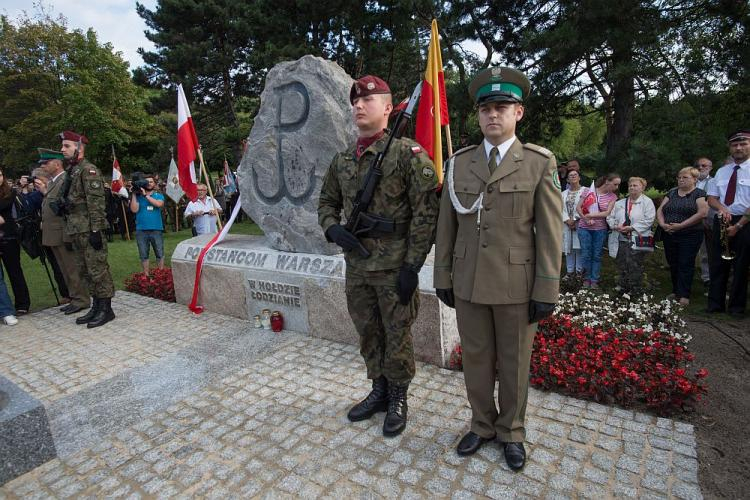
(140, 182)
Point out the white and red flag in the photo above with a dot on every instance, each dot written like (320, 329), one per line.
(118, 187)
(187, 147)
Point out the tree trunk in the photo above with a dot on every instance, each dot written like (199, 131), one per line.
(623, 103)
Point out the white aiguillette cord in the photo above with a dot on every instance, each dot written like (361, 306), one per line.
(460, 209)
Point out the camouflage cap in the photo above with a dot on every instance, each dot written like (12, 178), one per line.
(69, 135)
(499, 84)
(368, 85)
(742, 134)
(46, 155)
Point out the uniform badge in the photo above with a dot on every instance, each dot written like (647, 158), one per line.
(92, 171)
(416, 149)
(95, 185)
(556, 179)
(370, 86)
(428, 173)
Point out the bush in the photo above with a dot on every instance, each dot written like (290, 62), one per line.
(158, 284)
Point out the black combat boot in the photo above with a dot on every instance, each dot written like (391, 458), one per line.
(105, 314)
(395, 419)
(376, 401)
(92, 312)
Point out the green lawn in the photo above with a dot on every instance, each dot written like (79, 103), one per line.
(123, 261)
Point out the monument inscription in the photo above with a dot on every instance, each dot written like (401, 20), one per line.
(275, 293)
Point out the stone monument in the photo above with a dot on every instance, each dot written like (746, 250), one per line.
(304, 120)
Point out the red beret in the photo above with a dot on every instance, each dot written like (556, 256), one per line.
(739, 135)
(368, 85)
(69, 135)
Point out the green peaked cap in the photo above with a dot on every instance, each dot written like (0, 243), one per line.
(46, 155)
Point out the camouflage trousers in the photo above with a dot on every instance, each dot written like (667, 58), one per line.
(383, 324)
(93, 267)
(630, 267)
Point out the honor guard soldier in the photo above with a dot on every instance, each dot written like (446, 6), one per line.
(497, 259)
(729, 195)
(383, 260)
(82, 203)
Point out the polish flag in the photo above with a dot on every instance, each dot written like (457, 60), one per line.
(118, 187)
(187, 147)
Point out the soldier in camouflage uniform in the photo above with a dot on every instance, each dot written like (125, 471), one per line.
(85, 222)
(380, 289)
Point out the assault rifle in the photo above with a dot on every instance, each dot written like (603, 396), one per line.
(360, 223)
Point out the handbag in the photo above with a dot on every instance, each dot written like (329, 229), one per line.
(642, 243)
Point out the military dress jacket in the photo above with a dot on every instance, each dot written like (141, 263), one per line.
(513, 254)
(53, 226)
(406, 193)
(87, 207)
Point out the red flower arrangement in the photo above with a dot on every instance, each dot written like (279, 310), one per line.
(158, 284)
(615, 366)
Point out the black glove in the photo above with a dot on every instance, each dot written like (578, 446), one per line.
(408, 280)
(343, 238)
(95, 240)
(446, 296)
(540, 310)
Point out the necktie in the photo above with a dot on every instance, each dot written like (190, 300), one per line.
(493, 160)
(731, 187)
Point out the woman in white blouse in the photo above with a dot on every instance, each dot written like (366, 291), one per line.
(571, 245)
(631, 217)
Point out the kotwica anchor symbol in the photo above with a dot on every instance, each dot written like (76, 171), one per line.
(284, 127)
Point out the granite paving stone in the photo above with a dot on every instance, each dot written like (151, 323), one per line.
(207, 406)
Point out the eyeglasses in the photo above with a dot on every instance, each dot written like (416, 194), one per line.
(704, 166)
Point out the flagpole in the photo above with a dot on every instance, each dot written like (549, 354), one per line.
(208, 183)
(448, 141)
(124, 215)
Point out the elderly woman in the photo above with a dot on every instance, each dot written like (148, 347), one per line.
(594, 207)
(631, 217)
(680, 216)
(571, 246)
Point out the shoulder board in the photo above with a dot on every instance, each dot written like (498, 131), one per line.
(538, 149)
(466, 150)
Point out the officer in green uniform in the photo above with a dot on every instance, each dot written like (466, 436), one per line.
(497, 259)
(83, 200)
(380, 288)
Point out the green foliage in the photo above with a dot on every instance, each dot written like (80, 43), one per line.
(53, 79)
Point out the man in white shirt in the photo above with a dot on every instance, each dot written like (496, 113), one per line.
(203, 212)
(704, 166)
(729, 195)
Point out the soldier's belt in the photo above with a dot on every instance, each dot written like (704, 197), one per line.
(400, 229)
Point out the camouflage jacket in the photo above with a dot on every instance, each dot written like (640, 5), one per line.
(406, 193)
(86, 202)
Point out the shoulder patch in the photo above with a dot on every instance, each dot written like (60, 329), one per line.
(92, 171)
(538, 149)
(428, 173)
(556, 179)
(416, 150)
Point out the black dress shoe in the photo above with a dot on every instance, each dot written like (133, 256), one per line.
(376, 401)
(515, 455)
(470, 443)
(71, 309)
(66, 307)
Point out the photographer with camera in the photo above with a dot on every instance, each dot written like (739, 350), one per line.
(54, 237)
(203, 212)
(11, 208)
(146, 203)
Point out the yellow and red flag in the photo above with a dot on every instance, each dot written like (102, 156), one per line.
(431, 117)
